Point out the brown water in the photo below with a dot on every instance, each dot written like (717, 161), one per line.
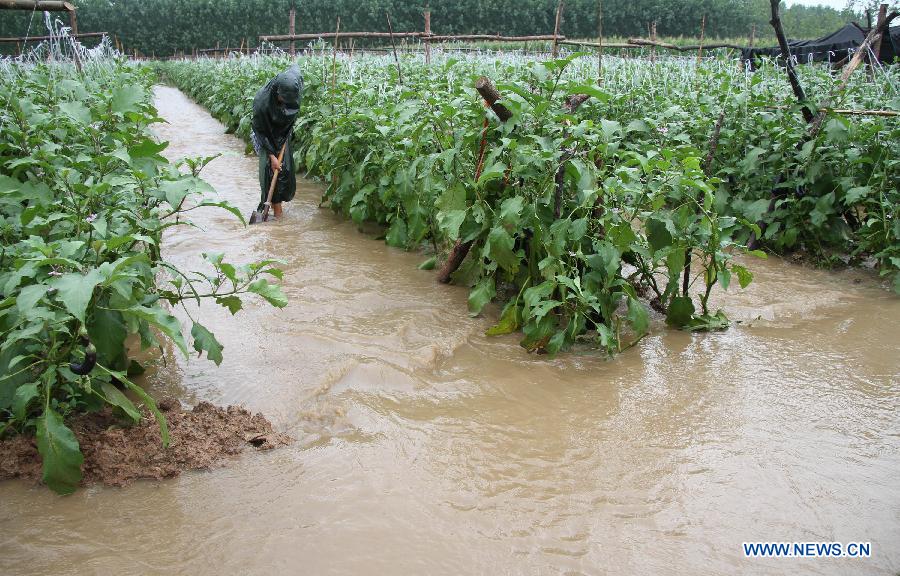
(426, 447)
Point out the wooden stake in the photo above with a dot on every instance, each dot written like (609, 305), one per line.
(876, 46)
(702, 30)
(752, 35)
(337, 31)
(427, 33)
(789, 65)
(555, 50)
(291, 30)
(600, 42)
(394, 48)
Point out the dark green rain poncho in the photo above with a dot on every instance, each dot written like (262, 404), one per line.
(272, 124)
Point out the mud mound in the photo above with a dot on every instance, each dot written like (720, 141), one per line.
(202, 438)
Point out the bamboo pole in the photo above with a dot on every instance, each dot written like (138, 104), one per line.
(337, 31)
(18, 39)
(876, 46)
(640, 42)
(702, 31)
(427, 33)
(786, 56)
(599, 42)
(849, 112)
(394, 48)
(41, 5)
(555, 49)
(291, 30)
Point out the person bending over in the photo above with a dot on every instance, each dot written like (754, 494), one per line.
(275, 109)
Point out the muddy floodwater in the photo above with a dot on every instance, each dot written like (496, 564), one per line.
(424, 447)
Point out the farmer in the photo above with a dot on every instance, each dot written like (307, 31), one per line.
(275, 109)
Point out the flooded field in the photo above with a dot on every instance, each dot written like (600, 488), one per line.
(423, 446)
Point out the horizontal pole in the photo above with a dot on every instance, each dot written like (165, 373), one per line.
(492, 38)
(42, 5)
(598, 45)
(424, 37)
(289, 37)
(846, 111)
(645, 42)
(40, 38)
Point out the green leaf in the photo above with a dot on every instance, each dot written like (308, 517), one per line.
(396, 234)
(449, 222)
(271, 292)
(76, 290)
(510, 210)
(637, 316)
(115, 397)
(658, 235)
(205, 340)
(233, 303)
(854, 195)
(24, 395)
(453, 198)
(495, 172)
(481, 294)
(610, 128)
(76, 111)
(108, 332)
(509, 320)
(146, 399)
(126, 98)
(680, 311)
(29, 296)
(60, 453)
(499, 248)
(428, 264)
(166, 323)
(745, 277)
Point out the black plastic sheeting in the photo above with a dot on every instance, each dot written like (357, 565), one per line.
(833, 47)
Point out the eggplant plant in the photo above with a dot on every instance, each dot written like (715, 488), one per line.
(85, 198)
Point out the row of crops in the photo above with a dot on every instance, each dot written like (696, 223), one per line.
(574, 216)
(85, 198)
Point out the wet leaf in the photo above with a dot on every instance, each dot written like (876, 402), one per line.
(115, 397)
(204, 340)
(481, 294)
(271, 292)
(60, 453)
(637, 316)
(680, 311)
(509, 320)
(76, 290)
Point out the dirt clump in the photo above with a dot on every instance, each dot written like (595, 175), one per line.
(201, 438)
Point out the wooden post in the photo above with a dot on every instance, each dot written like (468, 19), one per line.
(786, 56)
(653, 39)
(752, 35)
(291, 28)
(876, 46)
(427, 34)
(600, 42)
(337, 31)
(702, 30)
(394, 48)
(489, 93)
(555, 51)
(73, 22)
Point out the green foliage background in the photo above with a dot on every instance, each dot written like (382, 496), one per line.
(164, 26)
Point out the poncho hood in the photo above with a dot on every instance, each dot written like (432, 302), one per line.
(272, 120)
